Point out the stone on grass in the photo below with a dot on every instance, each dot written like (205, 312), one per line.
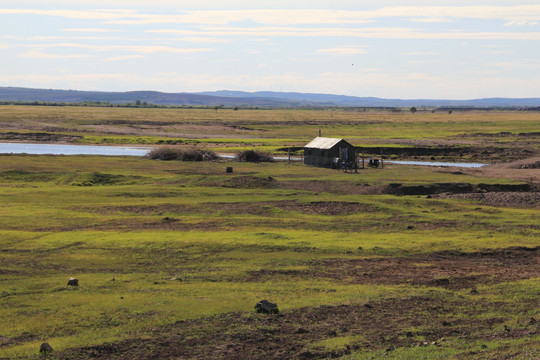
(73, 282)
(45, 348)
(266, 307)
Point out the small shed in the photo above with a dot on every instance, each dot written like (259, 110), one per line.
(328, 152)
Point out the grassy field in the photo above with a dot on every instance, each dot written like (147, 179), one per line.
(226, 130)
(171, 257)
(153, 243)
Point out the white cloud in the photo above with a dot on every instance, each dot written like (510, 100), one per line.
(368, 33)
(123, 58)
(202, 39)
(284, 17)
(142, 49)
(346, 50)
(430, 20)
(99, 30)
(38, 54)
(521, 23)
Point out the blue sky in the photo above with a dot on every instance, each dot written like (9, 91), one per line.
(392, 49)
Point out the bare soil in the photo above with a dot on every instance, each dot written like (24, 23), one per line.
(500, 199)
(449, 269)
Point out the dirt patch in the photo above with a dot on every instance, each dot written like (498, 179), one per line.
(250, 182)
(296, 334)
(452, 270)
(328, 208)
(333, 187)
(454, 188)
(253, 208)
(39, 137)
(500, 199)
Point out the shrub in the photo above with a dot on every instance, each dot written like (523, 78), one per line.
(199, 155)
(254, 156)
(169, 153)
(165, 153)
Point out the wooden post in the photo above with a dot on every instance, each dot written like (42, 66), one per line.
(363, 158)
(382, 163)
(289, 155)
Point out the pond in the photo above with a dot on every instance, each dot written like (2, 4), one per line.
(436, 163)
(57, 149)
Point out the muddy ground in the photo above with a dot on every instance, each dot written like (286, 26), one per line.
(385, 325)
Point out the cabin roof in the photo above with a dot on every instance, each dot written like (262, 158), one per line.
(322, 143)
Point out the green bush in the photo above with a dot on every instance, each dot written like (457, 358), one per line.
(254, 156)
(170, 153)
(165, 153)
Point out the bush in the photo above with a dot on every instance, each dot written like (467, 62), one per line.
(165, 153)
(254, 156)
(169, 153)
(199, 155)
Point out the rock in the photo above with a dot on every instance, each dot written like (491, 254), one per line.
(73, 282)
(45, 348)
(442, 282)
(332, 333)
(409, 334)
(391, 348)
(229, 169)
(266, 307)
(532, 321)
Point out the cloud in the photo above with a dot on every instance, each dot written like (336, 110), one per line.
(38, 54)
(284, 17)
(521, 23)
(346, 50)
(430, 20)
(141, 49)
(122, 58)
(368, 33)
(202, 39)
(99, 30)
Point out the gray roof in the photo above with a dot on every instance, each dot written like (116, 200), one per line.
(322, 143)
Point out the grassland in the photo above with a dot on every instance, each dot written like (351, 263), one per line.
(171, 257)
(496, 135)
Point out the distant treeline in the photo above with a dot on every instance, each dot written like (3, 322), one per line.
(144, 104)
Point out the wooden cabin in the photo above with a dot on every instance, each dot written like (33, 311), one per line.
(328, 152)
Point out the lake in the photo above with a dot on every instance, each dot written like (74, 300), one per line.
(56, 149)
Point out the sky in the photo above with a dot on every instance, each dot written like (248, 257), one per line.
(406, 49)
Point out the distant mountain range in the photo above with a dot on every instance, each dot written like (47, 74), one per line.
(248, 99)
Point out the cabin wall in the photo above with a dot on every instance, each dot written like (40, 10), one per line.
(325, 158)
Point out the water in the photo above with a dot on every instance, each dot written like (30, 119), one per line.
(54, 149)
(435, 163)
